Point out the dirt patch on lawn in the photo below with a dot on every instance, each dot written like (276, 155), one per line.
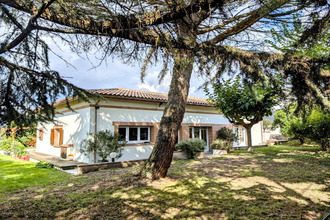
(249, 186)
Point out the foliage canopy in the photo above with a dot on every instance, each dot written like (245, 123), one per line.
(313, 123)
(244, 103)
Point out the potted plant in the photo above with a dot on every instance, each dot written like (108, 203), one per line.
(25, 156)
(103, 143)
(220, 147)
(19, 150)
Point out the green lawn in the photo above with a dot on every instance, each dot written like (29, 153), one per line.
(276, 182)
(17, 174)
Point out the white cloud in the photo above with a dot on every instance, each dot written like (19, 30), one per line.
(110, 74)
(151, 83)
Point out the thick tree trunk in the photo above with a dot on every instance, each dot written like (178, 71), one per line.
(161, 156)
(248, 130)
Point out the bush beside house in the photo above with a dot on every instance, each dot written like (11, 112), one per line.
(222, 145)
(191, 148)
(227, 135)
(103, 143)
(224, 141)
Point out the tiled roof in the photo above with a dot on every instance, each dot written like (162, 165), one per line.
(143, 95)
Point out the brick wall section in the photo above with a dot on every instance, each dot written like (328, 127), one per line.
(153, 132)
(184, 131)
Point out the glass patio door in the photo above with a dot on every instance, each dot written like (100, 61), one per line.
(201, 133)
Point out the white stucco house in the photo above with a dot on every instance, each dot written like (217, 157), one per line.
(135, 115)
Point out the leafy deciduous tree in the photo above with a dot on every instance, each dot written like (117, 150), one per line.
(243, 103)
(291, 123)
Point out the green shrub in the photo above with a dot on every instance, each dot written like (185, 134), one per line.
(5, 145)
(191, 148)
(44, 164)
(222, 145)
(310, 142)
(294, 142)
(104, 143)
(227, 134)
(318, 123)
(18, 149)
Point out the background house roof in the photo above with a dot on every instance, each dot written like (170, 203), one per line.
(143, 95)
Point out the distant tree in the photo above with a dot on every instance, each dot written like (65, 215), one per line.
(298, 129)
(291, 123)
(283, 118)
(313, 123)
(267, 124)
(243, 103)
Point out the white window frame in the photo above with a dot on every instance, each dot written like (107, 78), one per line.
(138, 134)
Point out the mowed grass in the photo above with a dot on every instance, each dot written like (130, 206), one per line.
(277, 182)
(17, 174)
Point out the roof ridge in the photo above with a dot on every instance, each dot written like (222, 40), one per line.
(144, 91)
(139, 95)
(148, 92)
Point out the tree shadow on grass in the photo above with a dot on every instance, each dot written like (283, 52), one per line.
(234, 187)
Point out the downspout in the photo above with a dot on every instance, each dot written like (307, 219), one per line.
(95, 125)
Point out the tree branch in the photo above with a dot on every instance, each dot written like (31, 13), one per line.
(27, 30)
(119, 26)
(268, 7)
(203, 31)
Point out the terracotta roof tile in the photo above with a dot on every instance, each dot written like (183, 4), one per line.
(143, 95)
